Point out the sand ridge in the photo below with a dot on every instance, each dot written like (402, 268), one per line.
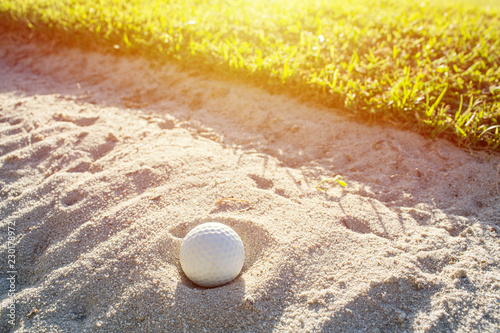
(107, 162)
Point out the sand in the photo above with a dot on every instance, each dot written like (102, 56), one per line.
(107, 162)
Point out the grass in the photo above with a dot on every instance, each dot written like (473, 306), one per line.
(335, 180)
(429, 66)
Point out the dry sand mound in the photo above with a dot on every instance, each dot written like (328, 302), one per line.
(106, 163)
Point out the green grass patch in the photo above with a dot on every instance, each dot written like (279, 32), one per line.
(429, 66)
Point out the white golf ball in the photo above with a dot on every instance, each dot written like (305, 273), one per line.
(212, 254)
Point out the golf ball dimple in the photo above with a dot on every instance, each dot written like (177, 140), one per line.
(212, 254)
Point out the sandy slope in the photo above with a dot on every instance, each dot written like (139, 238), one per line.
(106, 163)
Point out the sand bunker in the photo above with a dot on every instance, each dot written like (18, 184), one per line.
(107, 162)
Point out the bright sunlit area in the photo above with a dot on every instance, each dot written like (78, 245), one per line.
(430, 66)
